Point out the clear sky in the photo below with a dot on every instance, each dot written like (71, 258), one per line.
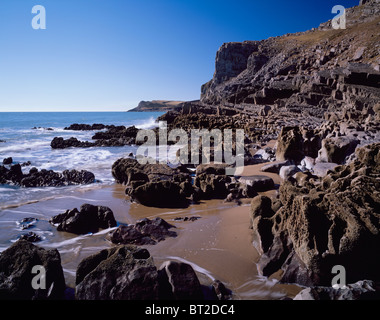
(107, 55)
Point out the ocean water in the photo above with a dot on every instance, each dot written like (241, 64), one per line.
(24, 143)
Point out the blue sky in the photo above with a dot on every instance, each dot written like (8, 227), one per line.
(107, 55)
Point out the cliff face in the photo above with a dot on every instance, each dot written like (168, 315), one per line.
(314, 71)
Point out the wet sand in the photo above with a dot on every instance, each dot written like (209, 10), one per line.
(218, 245)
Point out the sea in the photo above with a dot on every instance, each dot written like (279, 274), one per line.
(26, 137)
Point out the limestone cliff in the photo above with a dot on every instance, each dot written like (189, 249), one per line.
(310, 72)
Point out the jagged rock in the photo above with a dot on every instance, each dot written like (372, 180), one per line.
(16, 264)
(50, 178)
(43, 178)
(115, 136)
(60, 143)
(78, 177)
(126, 170)
(90, 218)
(213, 186)
(145, 231)
(153, 185)
(162, 194)
(119, 273)
(86, 127)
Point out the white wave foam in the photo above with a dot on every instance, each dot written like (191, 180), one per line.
(77, 239)
(27, 145)
(147, 124)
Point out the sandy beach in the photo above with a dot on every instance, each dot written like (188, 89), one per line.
(218, 245)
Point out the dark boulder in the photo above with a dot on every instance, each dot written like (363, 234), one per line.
(129, 235)
(86, 127)
(126, 170)
(119, 273)
(145, 231)
(8, 160)
(181, 282)
(161, 194)
(213, 186)
(16, 264)
(14, 174)
(60, 143)
(50, 178)
(79, 177)
(44, 178)
(128, 272)
(31, 237)
(90, 218)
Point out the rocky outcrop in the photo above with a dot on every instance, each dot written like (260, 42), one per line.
(129, 273)
(44, 178)
(89, 218)
(301, 80)
(310, 229)
(87, 127)
(163, 194)
(158, 185)
(8, 160)
(153, 185)
(143, 232)
(16, 265)
(115, 136)
(119, 273)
